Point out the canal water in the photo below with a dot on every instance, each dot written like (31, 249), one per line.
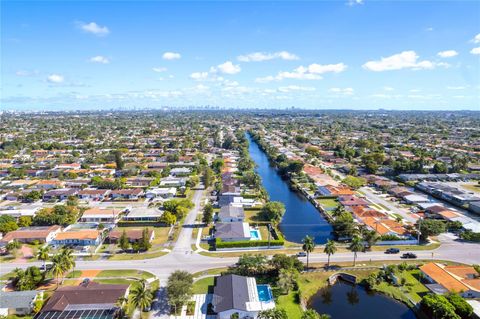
(343, 300)
(301, 217)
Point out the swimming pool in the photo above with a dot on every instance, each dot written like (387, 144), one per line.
(254, 234)
(264, 293)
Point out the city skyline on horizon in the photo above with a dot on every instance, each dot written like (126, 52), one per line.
(356, 55)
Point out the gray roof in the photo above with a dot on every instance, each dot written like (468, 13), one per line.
(17, 299)
(230, 292)
(230, 230)
(231, 212)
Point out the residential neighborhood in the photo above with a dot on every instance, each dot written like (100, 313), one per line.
(245, 216)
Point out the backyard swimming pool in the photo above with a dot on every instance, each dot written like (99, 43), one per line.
(264, 293)
(254, 234)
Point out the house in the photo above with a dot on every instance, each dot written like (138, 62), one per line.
(415, 199)
(461, 279)
(22, 183)
(133, 235)
(49, 184)
(89, 299)
(180, 171)
(21, 211)
(93, 194)
(230, 214)
(84, 237)
(230, 190)
(226, 200)
(333, 191)
(139, 181)
(59, 194)
(236, 231)
(41, 234)
(129, 193)
(143, 214)
(173, 181)
(352, 201)
(240, 295)
(18, 303)
(161, 192)
(99, 215)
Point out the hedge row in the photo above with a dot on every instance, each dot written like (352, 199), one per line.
(219, 244)
(125, 223)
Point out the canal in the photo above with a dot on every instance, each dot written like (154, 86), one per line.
(301, 217)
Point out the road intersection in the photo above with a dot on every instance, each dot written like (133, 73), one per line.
(183, 258)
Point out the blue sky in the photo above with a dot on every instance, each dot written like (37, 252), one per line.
(356, 54)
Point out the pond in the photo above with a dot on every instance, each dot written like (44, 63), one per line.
(343, 300)
(301, 217)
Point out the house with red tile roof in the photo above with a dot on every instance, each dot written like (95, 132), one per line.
(461, 279)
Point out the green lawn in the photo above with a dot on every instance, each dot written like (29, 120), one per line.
(290, 304)
(138, 256)
(202, 286)
(413, 289)
(125, 273)
(328, 203)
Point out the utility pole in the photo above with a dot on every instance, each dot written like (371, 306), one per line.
(419, 228)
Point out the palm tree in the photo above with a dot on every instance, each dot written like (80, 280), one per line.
(66, 255)
(330, 249)
(43, 254)
(308, 246)
(355, 246)
(142, 297)
(120, 304)
(58, 267)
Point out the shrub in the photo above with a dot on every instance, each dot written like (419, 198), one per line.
(219, 244)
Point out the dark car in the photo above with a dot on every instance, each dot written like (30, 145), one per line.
(392, 251)
(409, 256)
(301, 254)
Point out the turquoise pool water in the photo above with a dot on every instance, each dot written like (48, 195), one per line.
(254, 234)
(264, 293)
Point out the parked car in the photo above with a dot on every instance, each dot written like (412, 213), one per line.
(46, 267)
(409, 256)
(301, 254)
(392, 251)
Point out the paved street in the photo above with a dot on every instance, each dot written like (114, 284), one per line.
(392, 207)
(183, 258)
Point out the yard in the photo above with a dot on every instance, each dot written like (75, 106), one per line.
(328, 203)
(158, 245)
(204, 285)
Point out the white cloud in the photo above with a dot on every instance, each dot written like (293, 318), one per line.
(171, 56)
(99, 59)
(456, 87)
(55, 78)
(310, 72)
(198, 76)
(388, 88)
(227, 68)
(403, 60)
(291, 88)
(26, 73)
(344, 91)
(263, 56)
(159, 69)
(475, 51)
(94, 28)
(447, 53)
(354, 2)
(429, 29)
(476, 39)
